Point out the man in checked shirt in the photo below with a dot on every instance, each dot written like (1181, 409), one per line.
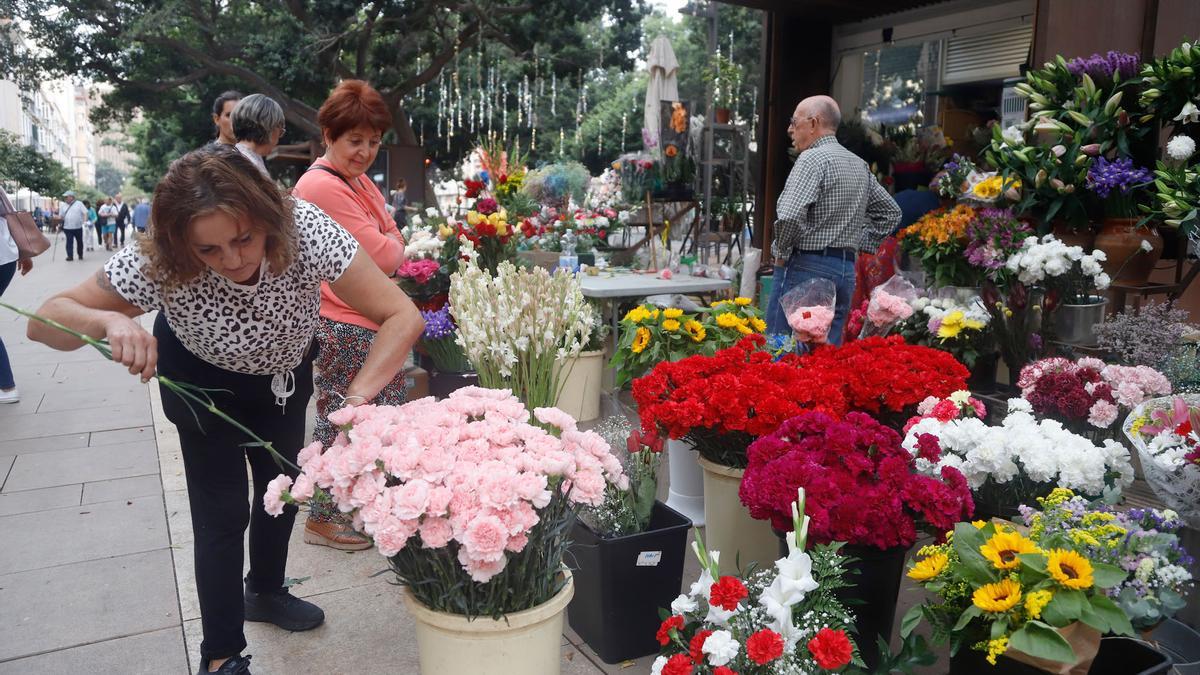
(830, 209)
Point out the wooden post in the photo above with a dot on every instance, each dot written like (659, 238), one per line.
(650, 220)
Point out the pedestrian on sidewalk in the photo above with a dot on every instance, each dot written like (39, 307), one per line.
(10, 262)
(122, 220)
(141, 216)
(74, 213)
(91, 235)
(226, 242)
(108, 222)
(353, 120)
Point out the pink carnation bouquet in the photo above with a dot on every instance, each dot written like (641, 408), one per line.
(468, 499)
(888, 305)
(811, 324)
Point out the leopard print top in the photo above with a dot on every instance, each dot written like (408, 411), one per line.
(263, 329)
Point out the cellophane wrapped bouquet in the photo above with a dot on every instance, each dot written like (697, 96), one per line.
(468, 499)
(780, 619)
(1166, 433)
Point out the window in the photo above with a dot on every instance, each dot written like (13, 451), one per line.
(895, 82)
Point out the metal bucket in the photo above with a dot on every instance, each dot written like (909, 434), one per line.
(1074, 323)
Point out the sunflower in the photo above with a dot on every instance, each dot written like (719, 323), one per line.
(998, 597)
(742, 301)
(930, 567)
(696, 330)
(1004, 547)
(728, 320)
(1069, 568)
(670, 325)
(758, 324)
(672, 313)
(743, 328)
(640, 340)
(637, 314)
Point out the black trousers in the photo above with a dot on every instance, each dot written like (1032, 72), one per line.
(120, 233)
(77, 237)
(215, 465)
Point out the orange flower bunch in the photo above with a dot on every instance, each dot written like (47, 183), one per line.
(940, 226)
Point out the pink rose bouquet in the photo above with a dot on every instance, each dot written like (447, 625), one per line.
(466, 497)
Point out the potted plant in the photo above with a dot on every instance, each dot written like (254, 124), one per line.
(1071, 281)
(1051, 176)
(725, 76)
(450, 369)
(863, 489)
(1005, 597)
(1016, 461)
(627, 554)
(938, 240)
(780, 618)
(519, 326)
(581, 374)
(1132, 247)
(472, 512)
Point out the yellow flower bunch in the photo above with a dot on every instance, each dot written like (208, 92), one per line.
(940, 226)
(991, 188)
(498, 220)
(956, 322)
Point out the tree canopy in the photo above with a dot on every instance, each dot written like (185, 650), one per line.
(21, 164)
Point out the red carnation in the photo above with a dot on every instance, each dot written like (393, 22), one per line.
(679, 664)
(664, 631)
(474, 187)
(696, 646)
(727, 592)
(831, 649)
(723, 670)
(764, 646)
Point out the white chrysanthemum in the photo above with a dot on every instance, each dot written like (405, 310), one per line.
(1180, 148)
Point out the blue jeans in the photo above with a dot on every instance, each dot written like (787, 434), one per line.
(802, 267)
(6, 374)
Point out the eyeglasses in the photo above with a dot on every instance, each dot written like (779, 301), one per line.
(794, 121)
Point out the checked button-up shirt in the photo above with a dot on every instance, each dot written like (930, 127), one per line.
(831, 199)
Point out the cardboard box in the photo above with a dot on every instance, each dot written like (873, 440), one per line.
(417, 380)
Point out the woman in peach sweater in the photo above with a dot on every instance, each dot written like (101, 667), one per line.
(353, 120)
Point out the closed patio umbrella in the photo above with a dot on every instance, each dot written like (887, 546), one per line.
(662, 85)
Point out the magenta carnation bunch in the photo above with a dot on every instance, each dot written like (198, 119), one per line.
(467, 487)
(863, 488)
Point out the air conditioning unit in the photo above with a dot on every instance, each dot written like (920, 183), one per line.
(1013, 107)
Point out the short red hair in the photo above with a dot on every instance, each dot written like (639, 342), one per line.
(352, 104)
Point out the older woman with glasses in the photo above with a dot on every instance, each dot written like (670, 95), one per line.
(257, 125)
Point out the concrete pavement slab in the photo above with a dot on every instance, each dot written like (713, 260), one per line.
(28, 405)
(81, 465)
(99, 369)
(78, 604)
(121, 489)
(80, 399)
(43, 444)
(152, 653)
(120, 436)
(30, 501)
(5, 467)
(76, 421)
(78, 533)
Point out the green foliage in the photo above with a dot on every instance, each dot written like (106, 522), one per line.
(21, 164)
(108, 178)
(725, 76)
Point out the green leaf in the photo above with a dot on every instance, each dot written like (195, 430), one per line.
(912, 619)
(1063, 608)
(1118, 621)
(1039, 640)
(971, 613)
(1105, 575)
(967, 541)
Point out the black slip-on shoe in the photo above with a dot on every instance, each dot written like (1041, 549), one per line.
(284, 610)
(238, 665)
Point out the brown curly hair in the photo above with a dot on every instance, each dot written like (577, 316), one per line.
(211, 179)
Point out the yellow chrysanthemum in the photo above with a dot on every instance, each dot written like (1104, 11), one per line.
(742, 301)
(640, 340)
(758, 324)
(670, 325)
(996, 648)
(1069, 569)
(696, 330)
(1036, 601)
(952, 325)
(1004, 547)
(998, 597)
(672, 313)
(728, 320)
(924, 570)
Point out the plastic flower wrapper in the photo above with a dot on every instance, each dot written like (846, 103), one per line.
(1166, 433)
(809, 308)
(1036, 597)
(466, 497)
(1020, 459)
(780, 619)
(1144, 543)
(889, 304)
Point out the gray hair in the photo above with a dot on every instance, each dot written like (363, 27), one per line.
(823, 107)
(255, 117)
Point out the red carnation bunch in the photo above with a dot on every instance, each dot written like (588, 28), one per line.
(885, 376)
(727, 592)
(664, 631)
(765, 646)
(863, 487)
(724, 401)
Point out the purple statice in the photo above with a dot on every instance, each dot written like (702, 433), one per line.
(438, 324)
(992, 236)
(1104, 70)
(1119, 175)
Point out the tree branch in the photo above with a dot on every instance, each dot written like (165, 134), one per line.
(364, 39)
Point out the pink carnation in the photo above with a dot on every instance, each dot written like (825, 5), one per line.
(886, 308)
(1102, 414)
(311, 450)
(419, 271)
(811, 324)
(303, 490)
(273, 499)
(435, 532)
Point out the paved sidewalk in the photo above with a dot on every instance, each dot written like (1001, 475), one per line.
(96, 571)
